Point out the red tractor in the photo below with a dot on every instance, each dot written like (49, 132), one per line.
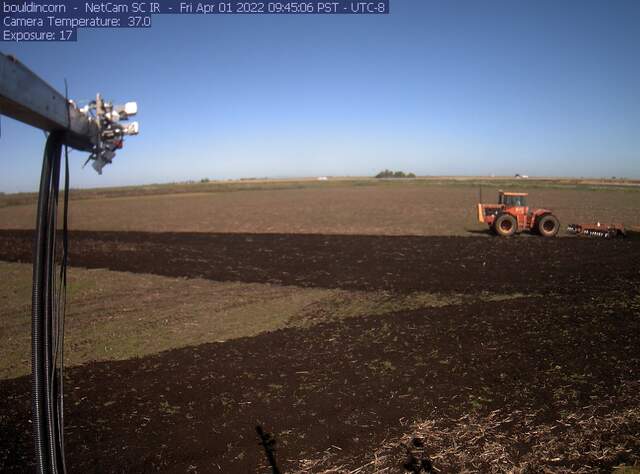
(512, 215)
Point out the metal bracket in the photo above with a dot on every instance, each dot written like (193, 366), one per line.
(96, 128)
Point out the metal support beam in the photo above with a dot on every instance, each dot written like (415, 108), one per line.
(29, 99)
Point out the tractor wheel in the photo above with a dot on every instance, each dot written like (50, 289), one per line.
(505, 225)
(548, 226)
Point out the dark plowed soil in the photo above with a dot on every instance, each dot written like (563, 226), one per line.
(401, 264)
(348, 385)
(345, 387)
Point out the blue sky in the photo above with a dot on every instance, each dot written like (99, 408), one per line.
(437, 87)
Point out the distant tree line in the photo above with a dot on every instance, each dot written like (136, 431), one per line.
(394, 174)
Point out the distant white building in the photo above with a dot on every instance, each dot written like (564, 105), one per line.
(322, 178)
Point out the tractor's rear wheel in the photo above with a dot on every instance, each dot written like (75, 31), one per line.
(548, 226)
(505, 225)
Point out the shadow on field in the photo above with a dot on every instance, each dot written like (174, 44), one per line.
(486, 232)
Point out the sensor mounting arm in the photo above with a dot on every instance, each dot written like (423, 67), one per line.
(95, 128)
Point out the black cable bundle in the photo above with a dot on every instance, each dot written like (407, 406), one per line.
(47, 315)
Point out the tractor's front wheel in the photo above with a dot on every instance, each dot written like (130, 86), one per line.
(505, 225)
(548, 226)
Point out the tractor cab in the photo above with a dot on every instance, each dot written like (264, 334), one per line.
(512, 199)
(516, 205)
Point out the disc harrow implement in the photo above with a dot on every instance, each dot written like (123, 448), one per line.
(598, 229)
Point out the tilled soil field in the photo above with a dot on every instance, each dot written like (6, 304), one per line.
(401, 264)
(545, 382)
(357, 208)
